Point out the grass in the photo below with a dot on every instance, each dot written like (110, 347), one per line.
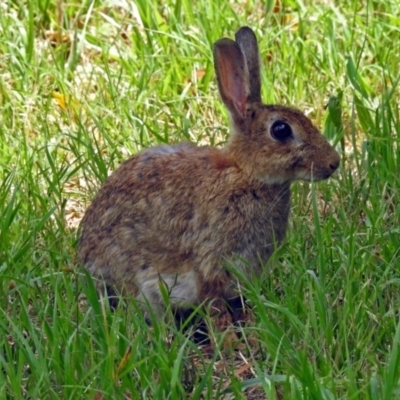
(83, 85)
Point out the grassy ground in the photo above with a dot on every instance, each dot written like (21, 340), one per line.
(85, 84)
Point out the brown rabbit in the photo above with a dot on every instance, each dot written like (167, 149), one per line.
(179, 214)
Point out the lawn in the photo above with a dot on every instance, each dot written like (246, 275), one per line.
(84, 85)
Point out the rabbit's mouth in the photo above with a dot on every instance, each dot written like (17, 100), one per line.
(324, 165)
(315, 175)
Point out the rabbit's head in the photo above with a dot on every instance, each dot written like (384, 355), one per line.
(271, 143)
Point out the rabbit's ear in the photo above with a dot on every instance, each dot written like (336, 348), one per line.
(247, 41)
(232, 77)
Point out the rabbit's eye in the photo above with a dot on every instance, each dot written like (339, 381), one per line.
(281, 130)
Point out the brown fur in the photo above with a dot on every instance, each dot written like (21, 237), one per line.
(180, 213)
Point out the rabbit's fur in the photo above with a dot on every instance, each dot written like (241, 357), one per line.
(178, 214)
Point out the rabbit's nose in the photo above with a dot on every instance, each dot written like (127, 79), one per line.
(334, 164)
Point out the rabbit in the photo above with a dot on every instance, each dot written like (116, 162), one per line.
(177, 215)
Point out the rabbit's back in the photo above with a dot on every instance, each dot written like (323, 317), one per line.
(180, 212)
